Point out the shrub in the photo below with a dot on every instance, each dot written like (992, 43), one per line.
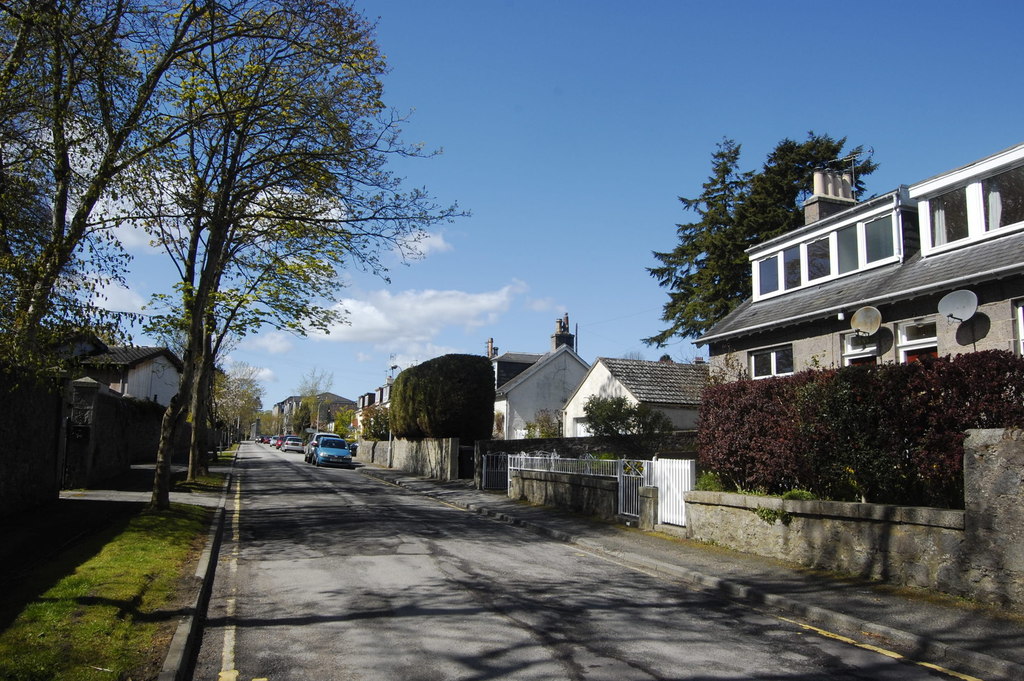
(889, 434)
(449, 396)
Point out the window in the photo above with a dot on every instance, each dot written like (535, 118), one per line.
(848, 252)
(878, 239)
(819, 261)
(768, 275)
(1004, 199)
(860, 349)
(918, 339)
(949, 217)
(791, 267)
(773, 362)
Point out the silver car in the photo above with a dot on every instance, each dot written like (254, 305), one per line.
(293, 443)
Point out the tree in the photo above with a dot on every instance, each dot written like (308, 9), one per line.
(707, 274)
(239, 395)
(545, 424)
(448, 396)
(79, 87)
(375, 423)
(343, 420)
(280, 183)
(637, 428)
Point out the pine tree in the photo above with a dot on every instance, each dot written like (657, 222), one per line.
(707, 274)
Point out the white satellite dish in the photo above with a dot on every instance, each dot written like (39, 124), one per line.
(959, 305)
(866, 320)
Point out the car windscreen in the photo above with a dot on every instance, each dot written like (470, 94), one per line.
(332, 443)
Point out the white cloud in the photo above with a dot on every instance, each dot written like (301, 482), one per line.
(417, 317)
(113, 296)
(274, 342)
(433, 243)
(544, 305)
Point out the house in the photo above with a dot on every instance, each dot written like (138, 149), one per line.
(145, 373)
(670, 387)
(527, 385)
(934, 268)
(325, 406)
(380, 398)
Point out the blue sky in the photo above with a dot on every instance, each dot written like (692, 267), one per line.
(570, 127)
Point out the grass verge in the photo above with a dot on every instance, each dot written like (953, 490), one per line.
(112, 602)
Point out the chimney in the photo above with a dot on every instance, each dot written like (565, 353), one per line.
(492, 350)
(562, 336)
(832, 193)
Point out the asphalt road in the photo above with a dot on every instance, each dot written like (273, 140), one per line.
(327, 574)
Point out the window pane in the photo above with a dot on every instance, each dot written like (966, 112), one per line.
(878, 235)
(768, 275)
(791, 265)
(916, 332)
(949, 217)
(819, 262)
(762, 362)
(847, 242)
(784, 360)
(1004, 199)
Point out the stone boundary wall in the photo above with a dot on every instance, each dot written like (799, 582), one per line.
(681, 444)
(430, 458)
(586, 494)
(33, 435)
(978, 552)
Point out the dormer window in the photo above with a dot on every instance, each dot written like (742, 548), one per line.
(1004, 199)
(824, 255)
(948, 213)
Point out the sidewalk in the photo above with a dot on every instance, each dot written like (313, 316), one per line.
(975, 640)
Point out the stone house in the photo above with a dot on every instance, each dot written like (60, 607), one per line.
(934, 268)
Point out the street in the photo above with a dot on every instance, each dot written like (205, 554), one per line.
(328, 574)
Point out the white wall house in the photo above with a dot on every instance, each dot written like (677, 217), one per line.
(546, 385)
(145, 373)
(670, 387)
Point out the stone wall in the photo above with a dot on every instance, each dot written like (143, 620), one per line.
(681, 445)
(587, 494)
(33, 434)
(978, 552)
(430, 458)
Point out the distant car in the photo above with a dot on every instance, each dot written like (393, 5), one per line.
(313, 442)
(332, 451)
(292, 443)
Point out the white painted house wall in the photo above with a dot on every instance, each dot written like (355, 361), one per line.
(154, 379)
(545, 385)
(598, 382)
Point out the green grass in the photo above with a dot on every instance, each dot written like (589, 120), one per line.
(112, 613)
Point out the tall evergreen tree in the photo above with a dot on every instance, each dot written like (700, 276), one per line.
(701, 271)
(707, 274)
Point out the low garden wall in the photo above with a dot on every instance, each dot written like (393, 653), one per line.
(977, 552)
(590, 495)
(430, 458)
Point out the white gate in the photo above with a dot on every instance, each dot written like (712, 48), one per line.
(633, 474)
(673, 477)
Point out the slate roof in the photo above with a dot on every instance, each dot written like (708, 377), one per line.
(128, 355)
(659, 382)
(542, 360)
(990, 260)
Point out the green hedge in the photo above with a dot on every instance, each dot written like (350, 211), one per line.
(888, 434)
(450, 396)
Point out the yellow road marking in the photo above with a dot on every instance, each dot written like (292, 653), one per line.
(880, 651)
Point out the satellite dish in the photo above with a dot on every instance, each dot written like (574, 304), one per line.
(866, 320)
(959, 305)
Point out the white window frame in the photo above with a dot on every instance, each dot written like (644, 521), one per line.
(832, 234)
(868, 349)
(906, 345)
(773, 353)
(1018, 313)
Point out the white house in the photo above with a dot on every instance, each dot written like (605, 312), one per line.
(670, 387)
(145, 373)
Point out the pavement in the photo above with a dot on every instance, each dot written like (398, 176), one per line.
(973, 640)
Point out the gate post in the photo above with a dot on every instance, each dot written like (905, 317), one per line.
(648, 508)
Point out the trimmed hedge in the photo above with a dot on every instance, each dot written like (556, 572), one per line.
(887, 434)
(449, 396)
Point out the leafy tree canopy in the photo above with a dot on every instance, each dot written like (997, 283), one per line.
(707, 274)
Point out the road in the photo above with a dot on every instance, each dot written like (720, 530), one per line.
(328, 574)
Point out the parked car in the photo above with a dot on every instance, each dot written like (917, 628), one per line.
(292, 443)
(332, 451)
(313, 442)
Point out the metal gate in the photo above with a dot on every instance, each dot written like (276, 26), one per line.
(495, 471)
(633, 474)
(673, 478)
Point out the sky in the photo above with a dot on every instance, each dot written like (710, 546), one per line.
(569, 128)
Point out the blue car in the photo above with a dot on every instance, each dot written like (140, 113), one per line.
(332, 451)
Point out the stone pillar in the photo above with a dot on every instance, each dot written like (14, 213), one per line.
(994, 514)
(648, 508)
